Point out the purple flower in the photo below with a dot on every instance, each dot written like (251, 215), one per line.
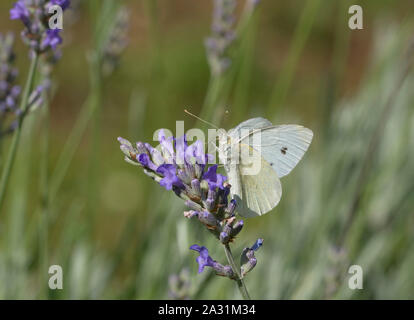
(20, 11)
(145, 160)
(52, 39)
(156, 155)
(64, 4)
(35, 17)
(203, 260)
(167, 147)
(214, 179)
(257, 244)
(181, 147)
(170, 177)
(196, 150)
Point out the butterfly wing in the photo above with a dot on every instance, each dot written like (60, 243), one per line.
(255, 194)
(254, 123)
(281, 146)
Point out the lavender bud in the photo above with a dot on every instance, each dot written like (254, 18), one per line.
(224, 271)
(247, 259)
(125, 142)
(126, 148)
(190, 214)
(236, 228)
(183, 175)
(198, 170)
(224, 237)
(248, 266)
(208, 219)
(257, 244)
(193, 206)
(204, 189)
(191, 170)
(141, 148)
(195, 185)
(212, 195)
(127, 159)
(156, 155)
(231, 207)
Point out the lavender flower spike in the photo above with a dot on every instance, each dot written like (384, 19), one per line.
(117, 42)
(35, 17)
(9, 92)
(183, 168)
(222, 36)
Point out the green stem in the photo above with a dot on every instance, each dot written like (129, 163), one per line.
(16, 138)
(44, 221)
(240, 283)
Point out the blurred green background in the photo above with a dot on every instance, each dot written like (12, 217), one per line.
(117, 234)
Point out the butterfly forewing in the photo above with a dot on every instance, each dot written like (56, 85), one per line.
(281, 146)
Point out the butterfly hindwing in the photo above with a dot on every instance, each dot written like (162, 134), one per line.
(255, 194)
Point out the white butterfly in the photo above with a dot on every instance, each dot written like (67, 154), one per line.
(273, 152)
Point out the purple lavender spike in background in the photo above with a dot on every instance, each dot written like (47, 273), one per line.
(9, 91)
(35, 17)
(222, 36)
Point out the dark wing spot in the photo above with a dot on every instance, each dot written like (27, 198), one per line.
(283, 150)
(271, 163)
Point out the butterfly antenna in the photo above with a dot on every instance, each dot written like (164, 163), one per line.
(193, 115)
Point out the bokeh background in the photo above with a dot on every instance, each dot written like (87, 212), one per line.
(117, 234)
